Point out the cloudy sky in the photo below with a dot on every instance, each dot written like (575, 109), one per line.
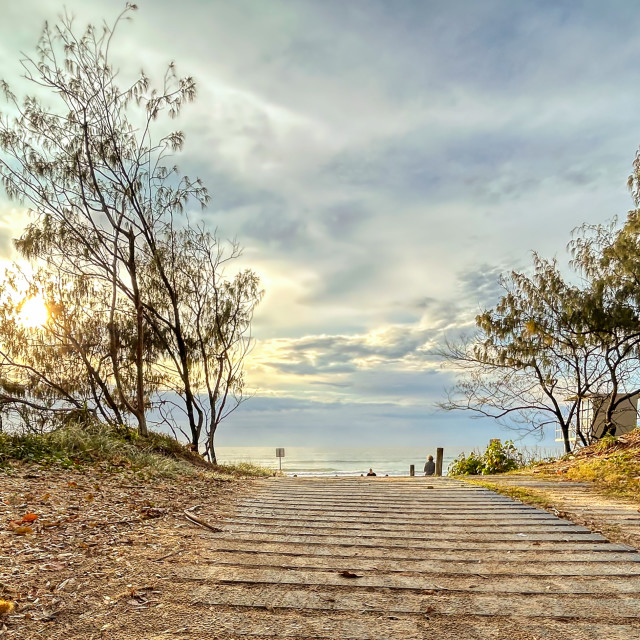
(382, 162)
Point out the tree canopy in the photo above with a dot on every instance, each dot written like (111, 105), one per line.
(143, 321)
(553, 343)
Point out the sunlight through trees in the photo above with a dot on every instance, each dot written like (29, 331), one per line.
(144, 325)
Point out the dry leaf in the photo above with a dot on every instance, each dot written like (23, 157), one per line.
(29, 517)
(348, 574)
(22, 530)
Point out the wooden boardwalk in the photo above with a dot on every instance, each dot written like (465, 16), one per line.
(383, 559)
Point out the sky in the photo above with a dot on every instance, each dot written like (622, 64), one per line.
(381, 163)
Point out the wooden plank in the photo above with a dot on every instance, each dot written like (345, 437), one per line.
(380, 490)
(596, 553)
(532, 606)
(230, 624)
(486, 568)
(462, 526)
(421, 514)
(418, 515)
(399, 511)
(339, 505)
(351, 500)
(546, 519)
(465, 584)
(473, 533)
(425, 515)
(567, 545)
(409, 489)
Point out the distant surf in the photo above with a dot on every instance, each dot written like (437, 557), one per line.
(347, 461)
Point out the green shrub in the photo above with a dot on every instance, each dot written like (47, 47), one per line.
(498, 458)
(471, 465)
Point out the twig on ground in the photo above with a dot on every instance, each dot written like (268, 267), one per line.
(199, 521)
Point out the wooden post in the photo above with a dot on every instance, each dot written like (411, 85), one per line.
(439, 456)
(412, 469)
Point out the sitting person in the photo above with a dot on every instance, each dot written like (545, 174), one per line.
(371, 473)
(429, 466)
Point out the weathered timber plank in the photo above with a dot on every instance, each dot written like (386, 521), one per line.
(415, 499)
(465, 584)
(400, 520)
(567, 545)
(425, 511)
(438, 604)
(472, 533)
(405, 508)
(550, 553)
(422, 513)
(485, 568)
(233, 623)
(497, 526)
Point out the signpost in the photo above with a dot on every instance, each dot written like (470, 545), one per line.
(280, 455)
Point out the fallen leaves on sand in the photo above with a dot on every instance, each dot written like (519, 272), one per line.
(71, 541)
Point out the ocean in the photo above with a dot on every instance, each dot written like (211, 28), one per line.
(353, 461)
(343, 461)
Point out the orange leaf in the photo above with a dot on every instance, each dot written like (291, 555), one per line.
(29, 517)
(22, 531)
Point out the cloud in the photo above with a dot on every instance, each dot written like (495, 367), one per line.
(268, 421)
(383, 163)
(482, 284)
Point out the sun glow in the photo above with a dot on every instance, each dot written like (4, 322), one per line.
(33, 313)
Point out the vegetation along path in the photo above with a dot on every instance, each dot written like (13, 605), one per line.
(388, 558)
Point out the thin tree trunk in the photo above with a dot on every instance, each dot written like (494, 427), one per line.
(139, 409)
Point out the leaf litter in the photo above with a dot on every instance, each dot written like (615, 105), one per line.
(88, 549)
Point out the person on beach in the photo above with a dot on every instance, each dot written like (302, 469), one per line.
(429, 466)
(371, 473)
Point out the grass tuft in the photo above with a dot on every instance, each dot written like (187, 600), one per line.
(617, 475)
(244, 469)
(114, 449)
(533, 497)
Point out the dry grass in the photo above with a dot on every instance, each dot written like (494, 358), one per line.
(533, 497)
(611, 464)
